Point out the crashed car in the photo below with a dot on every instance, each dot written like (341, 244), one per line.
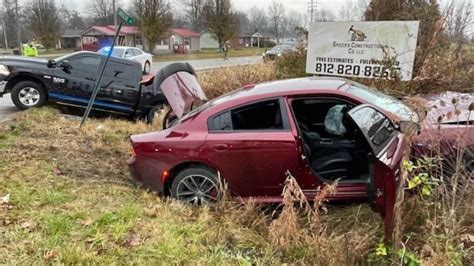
(70, 80)
(318, 129)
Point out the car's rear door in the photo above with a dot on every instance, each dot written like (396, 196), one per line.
(388, 145)
(253, 148)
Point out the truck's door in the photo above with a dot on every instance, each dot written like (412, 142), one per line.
(76, 84)
(387, 144)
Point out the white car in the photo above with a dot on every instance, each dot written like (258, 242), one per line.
(131, 53)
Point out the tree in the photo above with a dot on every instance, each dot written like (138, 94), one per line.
(194, 13)
(220, 20)
(426, 11)
(103, 11)
(154, 18)
(353, 10)
(276, 12)
(324, 15)
(244, 22)
(75, 21)
(42, 18)
(258, 19)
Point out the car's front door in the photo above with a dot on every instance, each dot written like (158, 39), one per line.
(253, 148)
(388, 145)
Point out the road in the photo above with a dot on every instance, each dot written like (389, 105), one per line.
(7, 108)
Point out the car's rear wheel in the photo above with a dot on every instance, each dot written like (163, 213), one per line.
(28, 94)
(197, 185)
(155, 112)
(147, 68)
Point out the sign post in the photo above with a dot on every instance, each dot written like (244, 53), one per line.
(124, 17)
(375, 49)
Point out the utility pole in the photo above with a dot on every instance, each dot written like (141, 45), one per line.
(18, 30)
(312, 7)
(115, 15)
(5, 33)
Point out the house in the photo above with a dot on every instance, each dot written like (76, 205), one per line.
(179, 40)
(70, 39)
(250, 39)
(95, 37)
(176, 39)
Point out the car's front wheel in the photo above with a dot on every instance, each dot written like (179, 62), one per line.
(197, 185)
(147, 68)
(28, 94)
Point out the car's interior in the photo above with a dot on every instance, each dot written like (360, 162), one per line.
(333, 145)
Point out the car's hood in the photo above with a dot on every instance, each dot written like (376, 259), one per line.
(179, 84)
(449, 108)
(22, 60)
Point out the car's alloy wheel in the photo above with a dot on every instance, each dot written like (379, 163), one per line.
(197, 186)
(28, 94)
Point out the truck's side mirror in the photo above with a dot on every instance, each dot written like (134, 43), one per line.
(66, 66)
(51, 63)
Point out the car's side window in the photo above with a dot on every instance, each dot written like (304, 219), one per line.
(265, 115)
(137, 52)
(88, 64)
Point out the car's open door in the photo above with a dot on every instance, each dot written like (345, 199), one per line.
(387, 145)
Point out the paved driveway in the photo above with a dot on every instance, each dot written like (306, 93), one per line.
(7, 108)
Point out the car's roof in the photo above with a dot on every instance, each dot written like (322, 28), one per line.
(281, 88)
(121, 47)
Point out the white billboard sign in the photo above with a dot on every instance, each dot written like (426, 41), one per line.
(379, 49)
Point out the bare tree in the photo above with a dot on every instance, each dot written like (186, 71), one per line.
(276, 12)
(103, 11)
(194, 13)
(155, 19)
(353, 10)
(220, 19)
(325, 15)
(258, 19)
(42, 18)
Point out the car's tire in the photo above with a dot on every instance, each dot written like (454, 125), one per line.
(147, 68)
(28, 94)
(154, 112)
(197, 185)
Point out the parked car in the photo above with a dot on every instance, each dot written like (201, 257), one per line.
(278, 51)
(71, 79)
(318, 129)
(132, 53)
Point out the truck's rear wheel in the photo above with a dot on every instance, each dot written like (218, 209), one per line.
(28, 94)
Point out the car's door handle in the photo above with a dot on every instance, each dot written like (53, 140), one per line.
(91, 79)
(221, 147)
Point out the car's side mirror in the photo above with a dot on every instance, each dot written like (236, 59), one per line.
(51, 63)
(409, 127)
(66, 66)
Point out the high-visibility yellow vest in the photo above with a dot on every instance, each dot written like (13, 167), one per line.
(30, 51)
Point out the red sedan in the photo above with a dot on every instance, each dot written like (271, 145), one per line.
(318, 129)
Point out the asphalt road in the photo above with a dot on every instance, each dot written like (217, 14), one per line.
(7, 108)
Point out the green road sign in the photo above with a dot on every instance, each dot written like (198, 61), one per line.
(127, 18)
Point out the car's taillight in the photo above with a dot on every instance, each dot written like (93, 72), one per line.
(133, 152)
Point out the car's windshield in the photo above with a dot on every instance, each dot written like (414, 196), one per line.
(117, 52)
(280, 48)
(383, 101)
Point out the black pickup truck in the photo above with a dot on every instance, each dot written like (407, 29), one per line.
(71, 79)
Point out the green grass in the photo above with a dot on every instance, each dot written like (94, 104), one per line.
(209, 54)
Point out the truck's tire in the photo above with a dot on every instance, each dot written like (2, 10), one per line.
(28, 94)
(154, 112)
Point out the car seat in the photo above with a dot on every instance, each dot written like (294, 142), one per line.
(331, 162)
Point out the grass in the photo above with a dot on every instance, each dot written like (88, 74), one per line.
(209, 54)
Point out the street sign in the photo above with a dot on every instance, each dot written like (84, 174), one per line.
(127, 18)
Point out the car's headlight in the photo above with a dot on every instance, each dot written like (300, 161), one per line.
(4, 71)
(263, 54)
(279, 54)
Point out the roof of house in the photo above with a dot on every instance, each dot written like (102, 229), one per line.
(71, 33)
(109, 30)
(184, 32)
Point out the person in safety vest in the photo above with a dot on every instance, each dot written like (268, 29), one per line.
(30, 50)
